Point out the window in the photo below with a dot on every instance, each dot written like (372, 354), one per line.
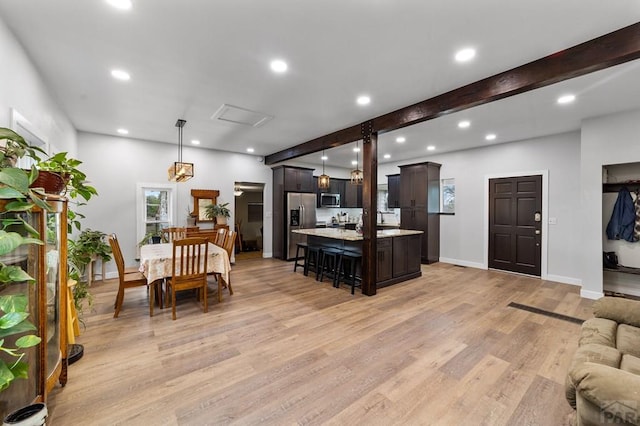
(448, 198)
(156, 208)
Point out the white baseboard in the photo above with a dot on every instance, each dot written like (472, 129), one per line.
(564, 280)
(462, 263)
(588, 294)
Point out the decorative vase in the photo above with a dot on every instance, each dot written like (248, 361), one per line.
(221, 220)
(191, 221)
(31, 415)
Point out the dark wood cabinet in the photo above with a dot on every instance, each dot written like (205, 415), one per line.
(385, 259)
(406, 255)
(298, 179)
(352, 195)
(420, 205)
(393, 185)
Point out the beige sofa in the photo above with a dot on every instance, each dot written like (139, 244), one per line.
(603, 383)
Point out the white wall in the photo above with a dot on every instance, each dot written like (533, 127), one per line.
(114, 165)
(613, 139)
(462, 239)
(22, 89)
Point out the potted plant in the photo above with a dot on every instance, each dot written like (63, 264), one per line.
(89, 246)
(74, 179)
(218, 212)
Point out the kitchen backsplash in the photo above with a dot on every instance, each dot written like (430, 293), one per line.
(324, 214)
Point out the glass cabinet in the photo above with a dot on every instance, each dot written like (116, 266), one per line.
(47, 302)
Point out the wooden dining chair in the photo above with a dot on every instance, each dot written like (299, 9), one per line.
(189, 269)
(126, 279)
(171, 234)
(221, 234)
(228, 246)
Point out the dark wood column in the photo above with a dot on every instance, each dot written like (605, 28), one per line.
(369, 208)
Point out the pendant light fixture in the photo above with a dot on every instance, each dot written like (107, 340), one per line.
(323, 180)
(356, 174)
(180, 171)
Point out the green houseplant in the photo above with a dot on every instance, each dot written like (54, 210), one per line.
(80, 252)
(16, 196)
(219, 212)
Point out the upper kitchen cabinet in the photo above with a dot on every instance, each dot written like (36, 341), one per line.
(298, 179)
(352, 196)
(420, 205)
(393, 185)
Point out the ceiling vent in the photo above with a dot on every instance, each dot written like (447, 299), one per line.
(237, 115)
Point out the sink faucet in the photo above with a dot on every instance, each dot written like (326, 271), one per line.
(381, 216)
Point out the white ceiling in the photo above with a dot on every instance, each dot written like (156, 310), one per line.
(188, 58)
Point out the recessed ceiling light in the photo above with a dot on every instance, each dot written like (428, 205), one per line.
(250, 150)
(278, 65)
(354, 163)
(465, 55)
(195, 142)
(120, 4)
(356, 149)
(363, 100)
(566, 99)
(387, 156)
(324, 158)
(431, 148)
(401, 139)
(123, 131)
(490, 137)
(120, 75)
(464, 124)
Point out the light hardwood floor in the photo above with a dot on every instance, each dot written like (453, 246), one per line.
(284, 349)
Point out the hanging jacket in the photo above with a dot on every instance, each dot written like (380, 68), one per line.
(623, 218)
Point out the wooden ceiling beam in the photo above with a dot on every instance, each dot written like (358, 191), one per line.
(603, 52)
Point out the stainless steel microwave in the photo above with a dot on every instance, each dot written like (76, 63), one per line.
(329, 200)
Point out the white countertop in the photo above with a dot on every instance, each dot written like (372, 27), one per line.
(349, 235)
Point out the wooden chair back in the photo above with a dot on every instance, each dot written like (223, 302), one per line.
(229, 242)
(126, 279)
(172, 234)
(189, 268)
(117, 253)
(221, 235)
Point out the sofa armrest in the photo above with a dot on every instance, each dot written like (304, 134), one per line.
(624, 311)
(609, 389)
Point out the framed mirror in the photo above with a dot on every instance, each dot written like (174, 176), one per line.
(201, 199)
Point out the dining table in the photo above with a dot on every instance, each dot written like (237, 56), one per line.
(156, 262)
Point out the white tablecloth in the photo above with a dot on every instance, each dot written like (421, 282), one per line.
(156, 261)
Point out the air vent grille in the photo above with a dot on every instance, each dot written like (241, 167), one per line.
(242, 116)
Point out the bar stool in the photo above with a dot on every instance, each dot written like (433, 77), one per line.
(314, 255)
(302, 246)
(353, 259)
(331, 259)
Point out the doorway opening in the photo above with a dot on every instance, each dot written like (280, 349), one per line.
(249, 220)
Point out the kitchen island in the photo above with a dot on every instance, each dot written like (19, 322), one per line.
(398, 257)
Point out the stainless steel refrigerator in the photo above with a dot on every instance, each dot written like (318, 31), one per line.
(301, 214)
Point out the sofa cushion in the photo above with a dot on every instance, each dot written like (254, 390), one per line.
(628, 340)
(593, 353)
(599, 331)
(623, 311)
(610, 390)
(631, 364)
